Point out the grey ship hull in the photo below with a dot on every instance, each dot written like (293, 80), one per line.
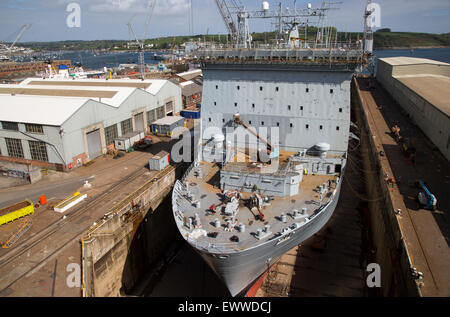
(238, 270)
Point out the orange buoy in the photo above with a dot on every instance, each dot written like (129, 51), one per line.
(43, 200)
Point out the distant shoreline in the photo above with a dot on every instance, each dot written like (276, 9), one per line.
(408, 48)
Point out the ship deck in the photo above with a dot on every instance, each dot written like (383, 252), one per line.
(206, 190)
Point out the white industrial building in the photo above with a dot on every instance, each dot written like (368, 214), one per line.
(64, 123)
(422, 88)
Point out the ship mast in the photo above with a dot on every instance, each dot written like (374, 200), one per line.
(286, 19)
(368, 36)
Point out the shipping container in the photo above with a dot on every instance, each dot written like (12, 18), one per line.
(191, 114)
(167, 125)
(160, 161)
(128, 140)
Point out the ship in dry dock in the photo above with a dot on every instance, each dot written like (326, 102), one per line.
(274, 137)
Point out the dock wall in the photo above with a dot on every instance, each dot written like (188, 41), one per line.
(118, 250)
(391, 248)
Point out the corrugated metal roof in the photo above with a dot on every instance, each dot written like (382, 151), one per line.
(152, 86)
(434, 89)
(186, 83)
(168, 120)
(190, 74)
(191, 89)
(38, 109)
(58, 92)
(53, 104)
(401, 60)
(141, 85)
(112, 96)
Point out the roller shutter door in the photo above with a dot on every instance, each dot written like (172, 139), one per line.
(94, 144)
(139, 122)
(169, 107)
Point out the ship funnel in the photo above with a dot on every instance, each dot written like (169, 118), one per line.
(218, 140)
(323, 148)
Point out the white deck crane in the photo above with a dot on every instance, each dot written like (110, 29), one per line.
(141, 44)
(224, 9)
(19, 36)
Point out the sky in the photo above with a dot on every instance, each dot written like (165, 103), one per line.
(107, 19)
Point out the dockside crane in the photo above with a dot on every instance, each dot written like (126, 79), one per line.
(141, 44)
(19, 36)
(225, 11)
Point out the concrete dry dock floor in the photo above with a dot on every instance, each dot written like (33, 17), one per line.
(427, 233)
(38, 267)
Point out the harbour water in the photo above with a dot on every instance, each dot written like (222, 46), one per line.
(98, 60)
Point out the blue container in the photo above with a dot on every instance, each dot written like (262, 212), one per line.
(189, 114)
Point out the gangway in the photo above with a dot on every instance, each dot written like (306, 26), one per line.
(17, 234)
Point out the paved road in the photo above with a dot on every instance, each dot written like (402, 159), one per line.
(57, 189)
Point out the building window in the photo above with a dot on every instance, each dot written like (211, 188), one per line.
(217, 87)
(10, 126)
(209, 119)
(112, 133)
(160, 113)
(262, 123)
(278, 124)
(337, 128)
(38, 151)
(14, 147)
(249, 122)
(321, 127)
(169, 106)
(223, 120)
(253, 106)
(289, 107)
(127, 126)
(215, 103)
(238, 87)
(292, 125)
(34, 128)
(307, 126)
(151, 116)
(277, 89)
(301, 108)
(340, 109)
(235, 104)
(260, 88)
(331, 91)
(307, 90)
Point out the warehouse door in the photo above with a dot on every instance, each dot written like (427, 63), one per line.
(94, 144)
(139, 122)
(169, 108)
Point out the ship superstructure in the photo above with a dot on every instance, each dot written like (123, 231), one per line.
(273, 148)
